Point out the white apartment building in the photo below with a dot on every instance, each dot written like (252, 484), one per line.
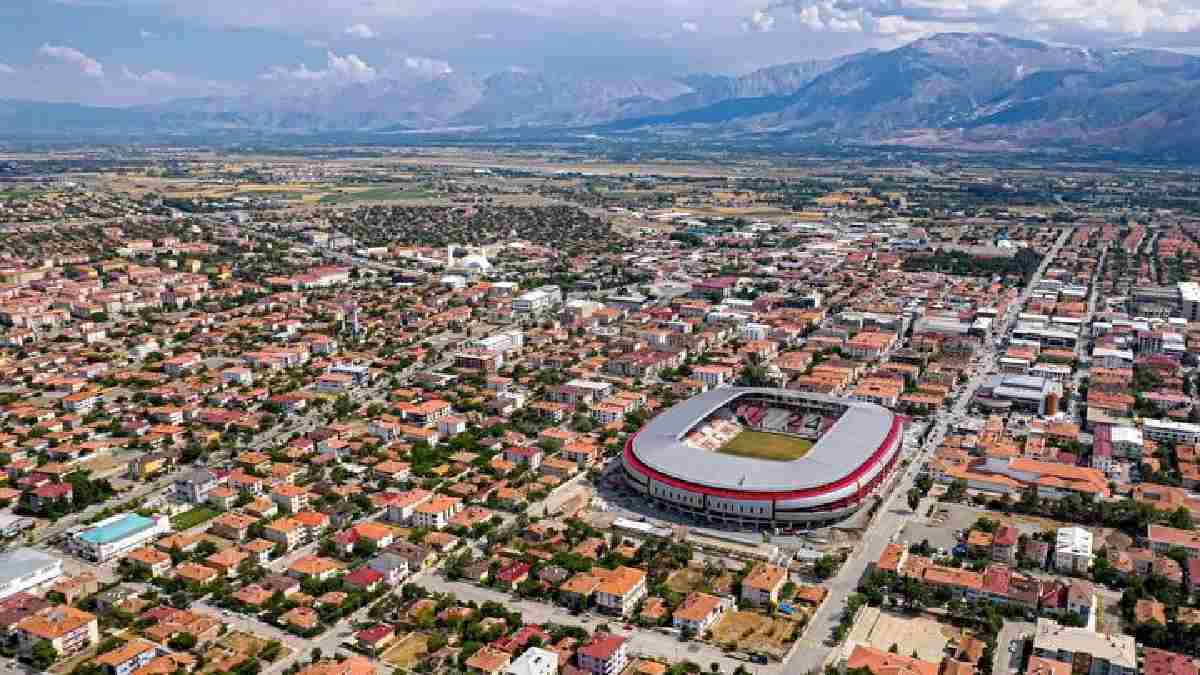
(537, 300)
(535, 661)
(1171, 431)
(1073, 549)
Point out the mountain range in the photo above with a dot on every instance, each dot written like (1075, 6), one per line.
(950, 89)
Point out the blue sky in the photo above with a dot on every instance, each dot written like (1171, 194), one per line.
(125, 52)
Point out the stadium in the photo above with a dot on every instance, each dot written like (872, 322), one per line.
(756, 457)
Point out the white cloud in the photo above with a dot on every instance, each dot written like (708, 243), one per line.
(160, 78)
(485, 36)
(361, 31)
(759, 22)
(316, 44)
(690, 27)
(6, 69)
(86, 64)
(348, 68)
(147, 35)
(427, 66)
(1084, 20)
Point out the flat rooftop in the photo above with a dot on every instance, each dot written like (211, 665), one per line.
(119, 529)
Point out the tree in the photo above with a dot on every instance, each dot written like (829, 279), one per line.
(825, 567)
(270, 651)
(914, 499)
(1181, 519)
(43, 655)
(182, 642)
(957, 490)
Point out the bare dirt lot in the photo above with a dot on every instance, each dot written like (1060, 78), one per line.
(407, 651)
(754, 632)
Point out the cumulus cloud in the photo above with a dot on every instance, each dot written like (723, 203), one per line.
(759, 22)
(361, 31)
(147, 35)
(6, 69)
(690, 27)
(427, 66)
(69, 55)
(1109, 20)
(159, 78)
(348, 68)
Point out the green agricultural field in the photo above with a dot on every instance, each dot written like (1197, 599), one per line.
(761, 445)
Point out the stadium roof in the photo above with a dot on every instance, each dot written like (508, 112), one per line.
(846, 449)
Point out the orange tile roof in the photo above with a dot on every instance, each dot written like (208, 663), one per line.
(764, 577)
(880, 662)
(621, 581)
(123, 653)
(54, 622)
(697, 606)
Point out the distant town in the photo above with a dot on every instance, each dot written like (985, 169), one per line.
(458, 411)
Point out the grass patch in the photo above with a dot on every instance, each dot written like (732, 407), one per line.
(762, 445)
(193, 517)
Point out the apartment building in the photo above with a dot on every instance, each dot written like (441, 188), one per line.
(1073, 550)
(604, 654)
(1170, 431)
(1162, 539)
(291, 498)
(1109, 654)
(127, 658)
(621, 590)
(67, 629)
(437, 512)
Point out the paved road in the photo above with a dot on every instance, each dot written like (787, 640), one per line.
(889, 520)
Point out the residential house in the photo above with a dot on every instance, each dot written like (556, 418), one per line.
(762, 585)
(604, 654)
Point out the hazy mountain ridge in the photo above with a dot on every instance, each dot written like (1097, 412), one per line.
(950, 88)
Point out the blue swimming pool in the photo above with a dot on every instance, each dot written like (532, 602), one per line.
(118, 529)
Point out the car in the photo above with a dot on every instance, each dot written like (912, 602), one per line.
(628, 626)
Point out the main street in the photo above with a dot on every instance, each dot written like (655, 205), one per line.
(890, 518)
